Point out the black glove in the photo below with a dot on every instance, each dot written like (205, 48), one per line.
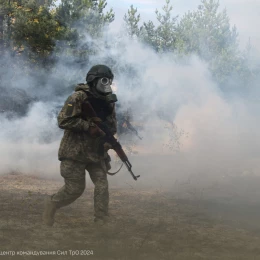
(95, 131)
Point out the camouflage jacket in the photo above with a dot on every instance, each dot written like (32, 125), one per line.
(76, 143)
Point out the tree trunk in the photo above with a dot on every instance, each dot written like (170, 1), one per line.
(1, 32)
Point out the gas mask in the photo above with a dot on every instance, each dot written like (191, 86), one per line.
(103, 87)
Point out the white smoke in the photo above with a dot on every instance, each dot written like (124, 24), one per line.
(29, 144)
(189, 126)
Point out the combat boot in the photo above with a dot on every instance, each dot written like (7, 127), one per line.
(99, 222)
(102, 221)
(49, 212)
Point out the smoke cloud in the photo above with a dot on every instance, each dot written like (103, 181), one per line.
(189, 127)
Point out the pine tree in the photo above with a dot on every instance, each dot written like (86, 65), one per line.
(149, 34)
(207, 33)
(34, 28)
(5, 24)
(132, 20)
(166, 29)
(161, 38)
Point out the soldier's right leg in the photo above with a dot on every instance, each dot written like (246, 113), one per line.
(74, 177)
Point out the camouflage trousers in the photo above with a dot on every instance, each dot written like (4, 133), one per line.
(74, 177)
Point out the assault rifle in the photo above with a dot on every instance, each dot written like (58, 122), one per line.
(108, 138)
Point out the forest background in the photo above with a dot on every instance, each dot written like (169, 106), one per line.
(39, 34)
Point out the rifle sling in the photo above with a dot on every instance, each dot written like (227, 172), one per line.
(113, 173)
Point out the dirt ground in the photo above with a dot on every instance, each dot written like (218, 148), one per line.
(187, 223)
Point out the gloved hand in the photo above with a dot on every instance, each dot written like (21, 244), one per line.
(107, 146)
(95, 131)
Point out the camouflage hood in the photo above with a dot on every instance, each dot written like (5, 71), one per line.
(82, 86)
(111, 98)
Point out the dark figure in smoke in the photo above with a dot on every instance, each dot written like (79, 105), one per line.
(77, 151)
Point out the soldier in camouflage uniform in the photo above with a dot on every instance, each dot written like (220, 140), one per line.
(77, 151)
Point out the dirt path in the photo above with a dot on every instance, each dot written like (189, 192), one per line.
(148, 224)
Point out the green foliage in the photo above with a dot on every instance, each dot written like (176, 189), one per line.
(45, 29)
(207, 33)
(40, 28)
(149, 34)
(81, 18)
(34, 27)
(132, 20)
(160, 38)
(166, 29)
(5, 23)
(87, 16)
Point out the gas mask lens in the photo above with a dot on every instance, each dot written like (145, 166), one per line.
(104, 86)
(106, 81)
